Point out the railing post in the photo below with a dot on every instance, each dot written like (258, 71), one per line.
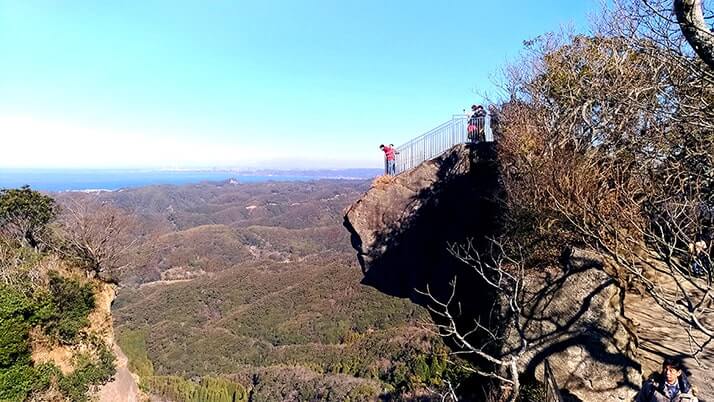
(488, 134)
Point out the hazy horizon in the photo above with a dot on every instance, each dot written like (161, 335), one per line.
(115, 179)
(180, 169)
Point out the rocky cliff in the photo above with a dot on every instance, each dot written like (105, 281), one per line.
(403, 227)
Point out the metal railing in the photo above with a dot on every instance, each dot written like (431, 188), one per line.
(438, 140)
(552, 392)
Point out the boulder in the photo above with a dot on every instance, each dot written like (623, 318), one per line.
(573, 319)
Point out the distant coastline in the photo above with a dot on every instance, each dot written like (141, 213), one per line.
(91, 190)
(99, 180)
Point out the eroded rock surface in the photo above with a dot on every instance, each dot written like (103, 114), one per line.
(573, 318)
(124, 387)
(660, 336)
(402, 229)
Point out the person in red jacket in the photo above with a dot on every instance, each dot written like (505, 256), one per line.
(391, 158)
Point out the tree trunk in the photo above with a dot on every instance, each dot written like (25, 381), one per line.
(690, 16)
(30, 240)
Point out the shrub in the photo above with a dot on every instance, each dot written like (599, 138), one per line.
(18, 377)
(73, 302)
(25, 213)
(91, 370)
(61, 311)
(16, 315)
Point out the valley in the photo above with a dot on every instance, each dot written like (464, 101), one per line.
(257, 284)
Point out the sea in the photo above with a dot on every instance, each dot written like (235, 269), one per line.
(57, 180)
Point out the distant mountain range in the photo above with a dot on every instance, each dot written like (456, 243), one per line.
(115, 179)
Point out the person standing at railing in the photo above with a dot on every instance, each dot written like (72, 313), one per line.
(470, 112)
(390, 155)
(476, 123)
(470, 119)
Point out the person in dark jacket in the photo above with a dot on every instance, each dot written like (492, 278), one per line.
(671, 386)
(476, 123)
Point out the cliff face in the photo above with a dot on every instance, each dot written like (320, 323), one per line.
(402, 230)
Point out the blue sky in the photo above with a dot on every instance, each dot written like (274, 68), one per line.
(279, 84)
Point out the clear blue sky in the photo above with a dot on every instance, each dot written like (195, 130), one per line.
(309, 83)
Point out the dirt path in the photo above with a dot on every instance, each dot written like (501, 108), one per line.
(124, 387)
(163, 282)
(659, 337)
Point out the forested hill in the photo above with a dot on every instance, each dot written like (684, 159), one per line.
(181, 231)
(255, 287)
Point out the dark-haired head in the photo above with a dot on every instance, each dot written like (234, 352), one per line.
(673, 362)
(381, 146)
(673, 370)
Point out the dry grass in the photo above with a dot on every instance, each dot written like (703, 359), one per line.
(382, 181)
(100, 319)
(44, 350)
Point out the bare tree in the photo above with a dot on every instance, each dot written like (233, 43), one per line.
(482, 339)
(607, 143)
(96, 234)
(665, 25)
(13, 267)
